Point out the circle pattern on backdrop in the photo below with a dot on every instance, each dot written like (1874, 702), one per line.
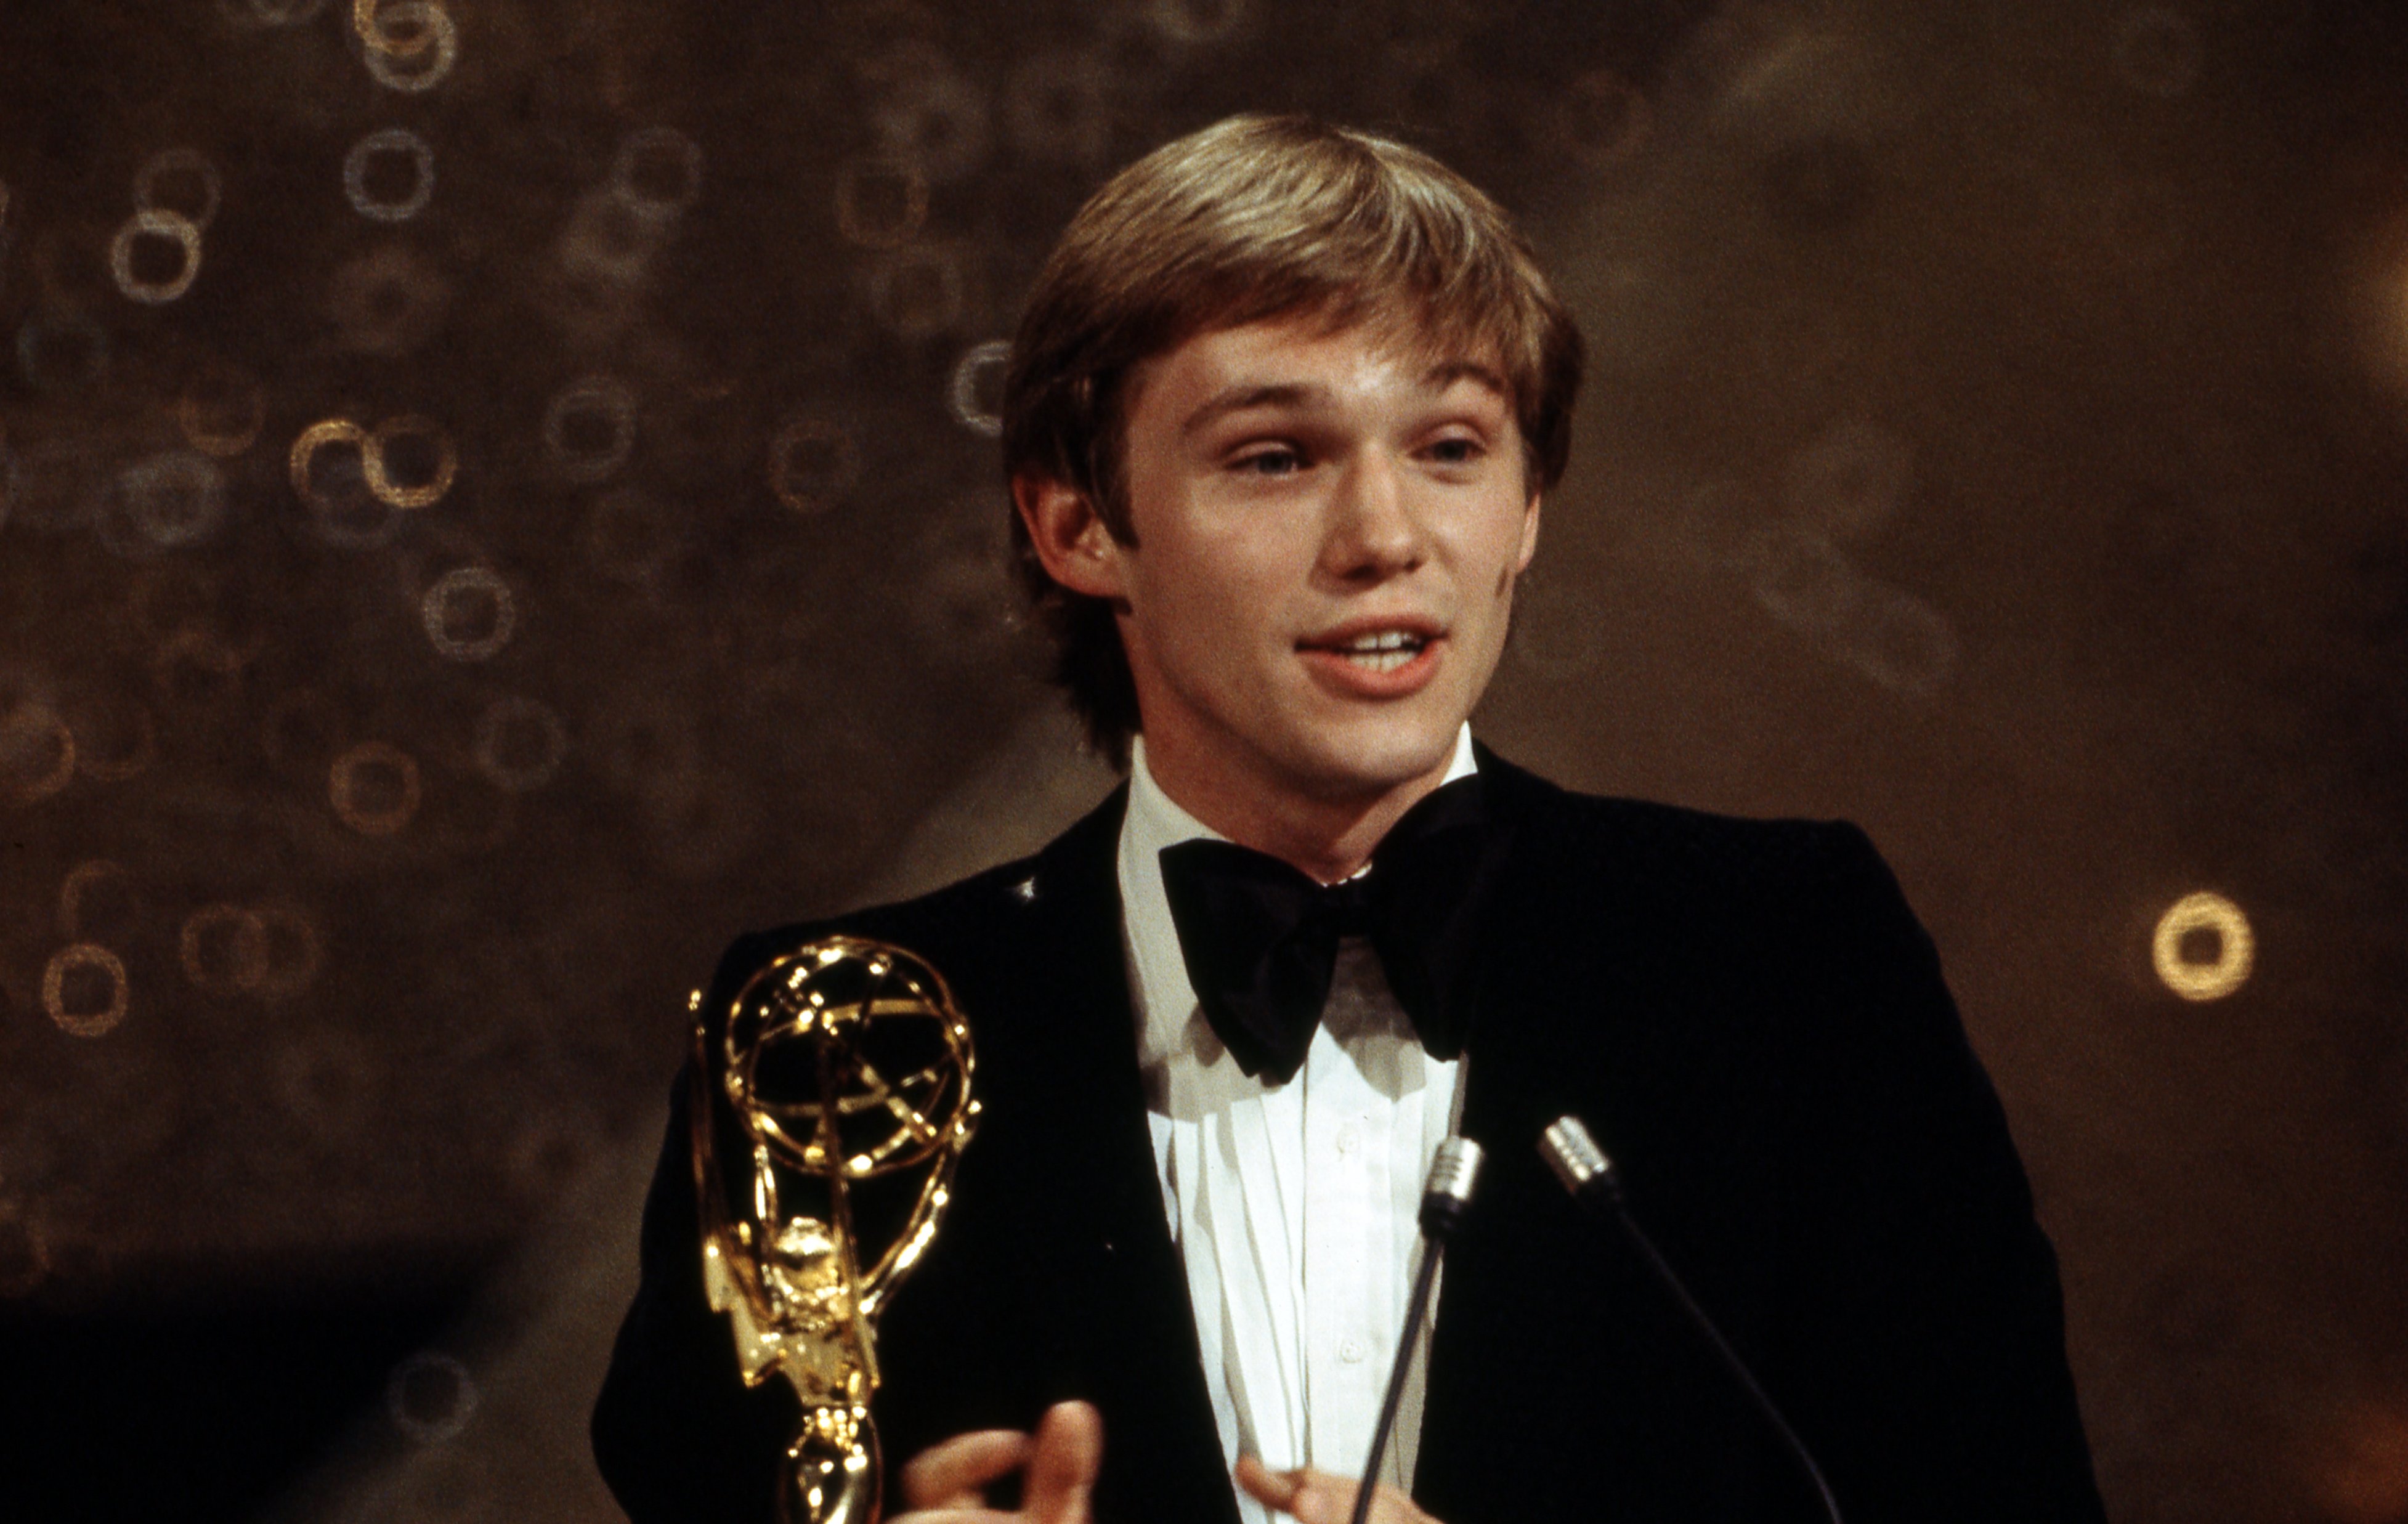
(2204, 915)
(65, 989)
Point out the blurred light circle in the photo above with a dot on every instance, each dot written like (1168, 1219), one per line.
(880, 202)
(426, 487)
(1900, 642)
(637, 180)
(67, 985)
(609, 240)
(1850, 479)
(935, 118)
(343, 511)
(37, 753)
(409, 45)
(325, 1082)
(1197, 21)
(1601, 120)
(588, 428)
(2193, 917)
(521, 743)
(2158, 52)
(221, 410)
(374, 788)
(387, 301)
(170, 165)
(959, 605)
(173, 500)
(812, 464)
(389, 144)
(918, 293)
(1801, 579)
(469, 614)
(157, 226)
(192, 667)
(976, 376)
(224, 949)
(431, 1397)
(83, 881)
(284, 12)
(384, 26)
(316, 436)
(62, 351)
(116, 737)
(1056, 107)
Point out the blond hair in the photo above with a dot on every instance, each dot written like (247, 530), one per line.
(1254, 218)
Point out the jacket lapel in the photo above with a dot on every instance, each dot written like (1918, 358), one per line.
(1483, 1413)
(1102, 1248)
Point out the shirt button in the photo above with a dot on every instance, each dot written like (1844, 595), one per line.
(1352, 1351)
(1347, 1136)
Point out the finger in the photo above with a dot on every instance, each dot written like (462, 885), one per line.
(1070, 1449)
(1320, 1497)
(949, 1476)
(1316, 1497)
(1274, 1490)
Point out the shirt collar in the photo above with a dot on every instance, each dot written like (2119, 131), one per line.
(1159, 991)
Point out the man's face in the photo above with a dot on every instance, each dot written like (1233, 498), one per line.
(1328, 529)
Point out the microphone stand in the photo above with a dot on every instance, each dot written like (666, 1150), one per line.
(1592, 1180)
(1444, 1199)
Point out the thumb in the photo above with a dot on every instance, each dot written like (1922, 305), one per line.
(1061, 1470)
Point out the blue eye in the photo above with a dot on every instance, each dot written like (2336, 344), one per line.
(1270, 463)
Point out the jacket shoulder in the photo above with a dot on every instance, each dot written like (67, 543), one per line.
(1672, 847)
(965, 923)
(934, 925)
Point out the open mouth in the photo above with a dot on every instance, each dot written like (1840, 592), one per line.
(1376, 651)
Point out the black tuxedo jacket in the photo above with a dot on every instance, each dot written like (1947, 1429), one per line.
(1751, 1022)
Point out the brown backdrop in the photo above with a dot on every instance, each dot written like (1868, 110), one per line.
(497, 496)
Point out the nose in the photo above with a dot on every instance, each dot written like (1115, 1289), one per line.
(1374, 530)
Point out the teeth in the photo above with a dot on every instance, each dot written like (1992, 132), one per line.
(1381, 651)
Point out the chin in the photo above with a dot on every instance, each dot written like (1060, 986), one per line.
(1352, 761)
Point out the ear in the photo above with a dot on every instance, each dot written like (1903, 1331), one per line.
(1530, 537)
(1071, 537)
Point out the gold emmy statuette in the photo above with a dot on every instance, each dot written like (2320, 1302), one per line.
(836, 1078)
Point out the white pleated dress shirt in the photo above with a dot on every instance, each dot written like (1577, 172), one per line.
(1294, 1205)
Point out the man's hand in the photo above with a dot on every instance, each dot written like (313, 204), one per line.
(946, 1484)
(1315, 1497)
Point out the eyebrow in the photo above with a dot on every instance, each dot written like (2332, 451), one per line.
(1244, 396)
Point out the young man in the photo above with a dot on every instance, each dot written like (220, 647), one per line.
(1281, 417)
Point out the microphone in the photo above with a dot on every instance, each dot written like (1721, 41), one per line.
(1590, 1176)
(1444, 1199)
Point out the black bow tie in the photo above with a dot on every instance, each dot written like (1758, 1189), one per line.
(1260, 938)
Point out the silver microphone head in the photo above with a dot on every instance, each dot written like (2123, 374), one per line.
(1452, 1172)
(1574, 1156)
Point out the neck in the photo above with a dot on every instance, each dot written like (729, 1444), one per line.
(1327, 836)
